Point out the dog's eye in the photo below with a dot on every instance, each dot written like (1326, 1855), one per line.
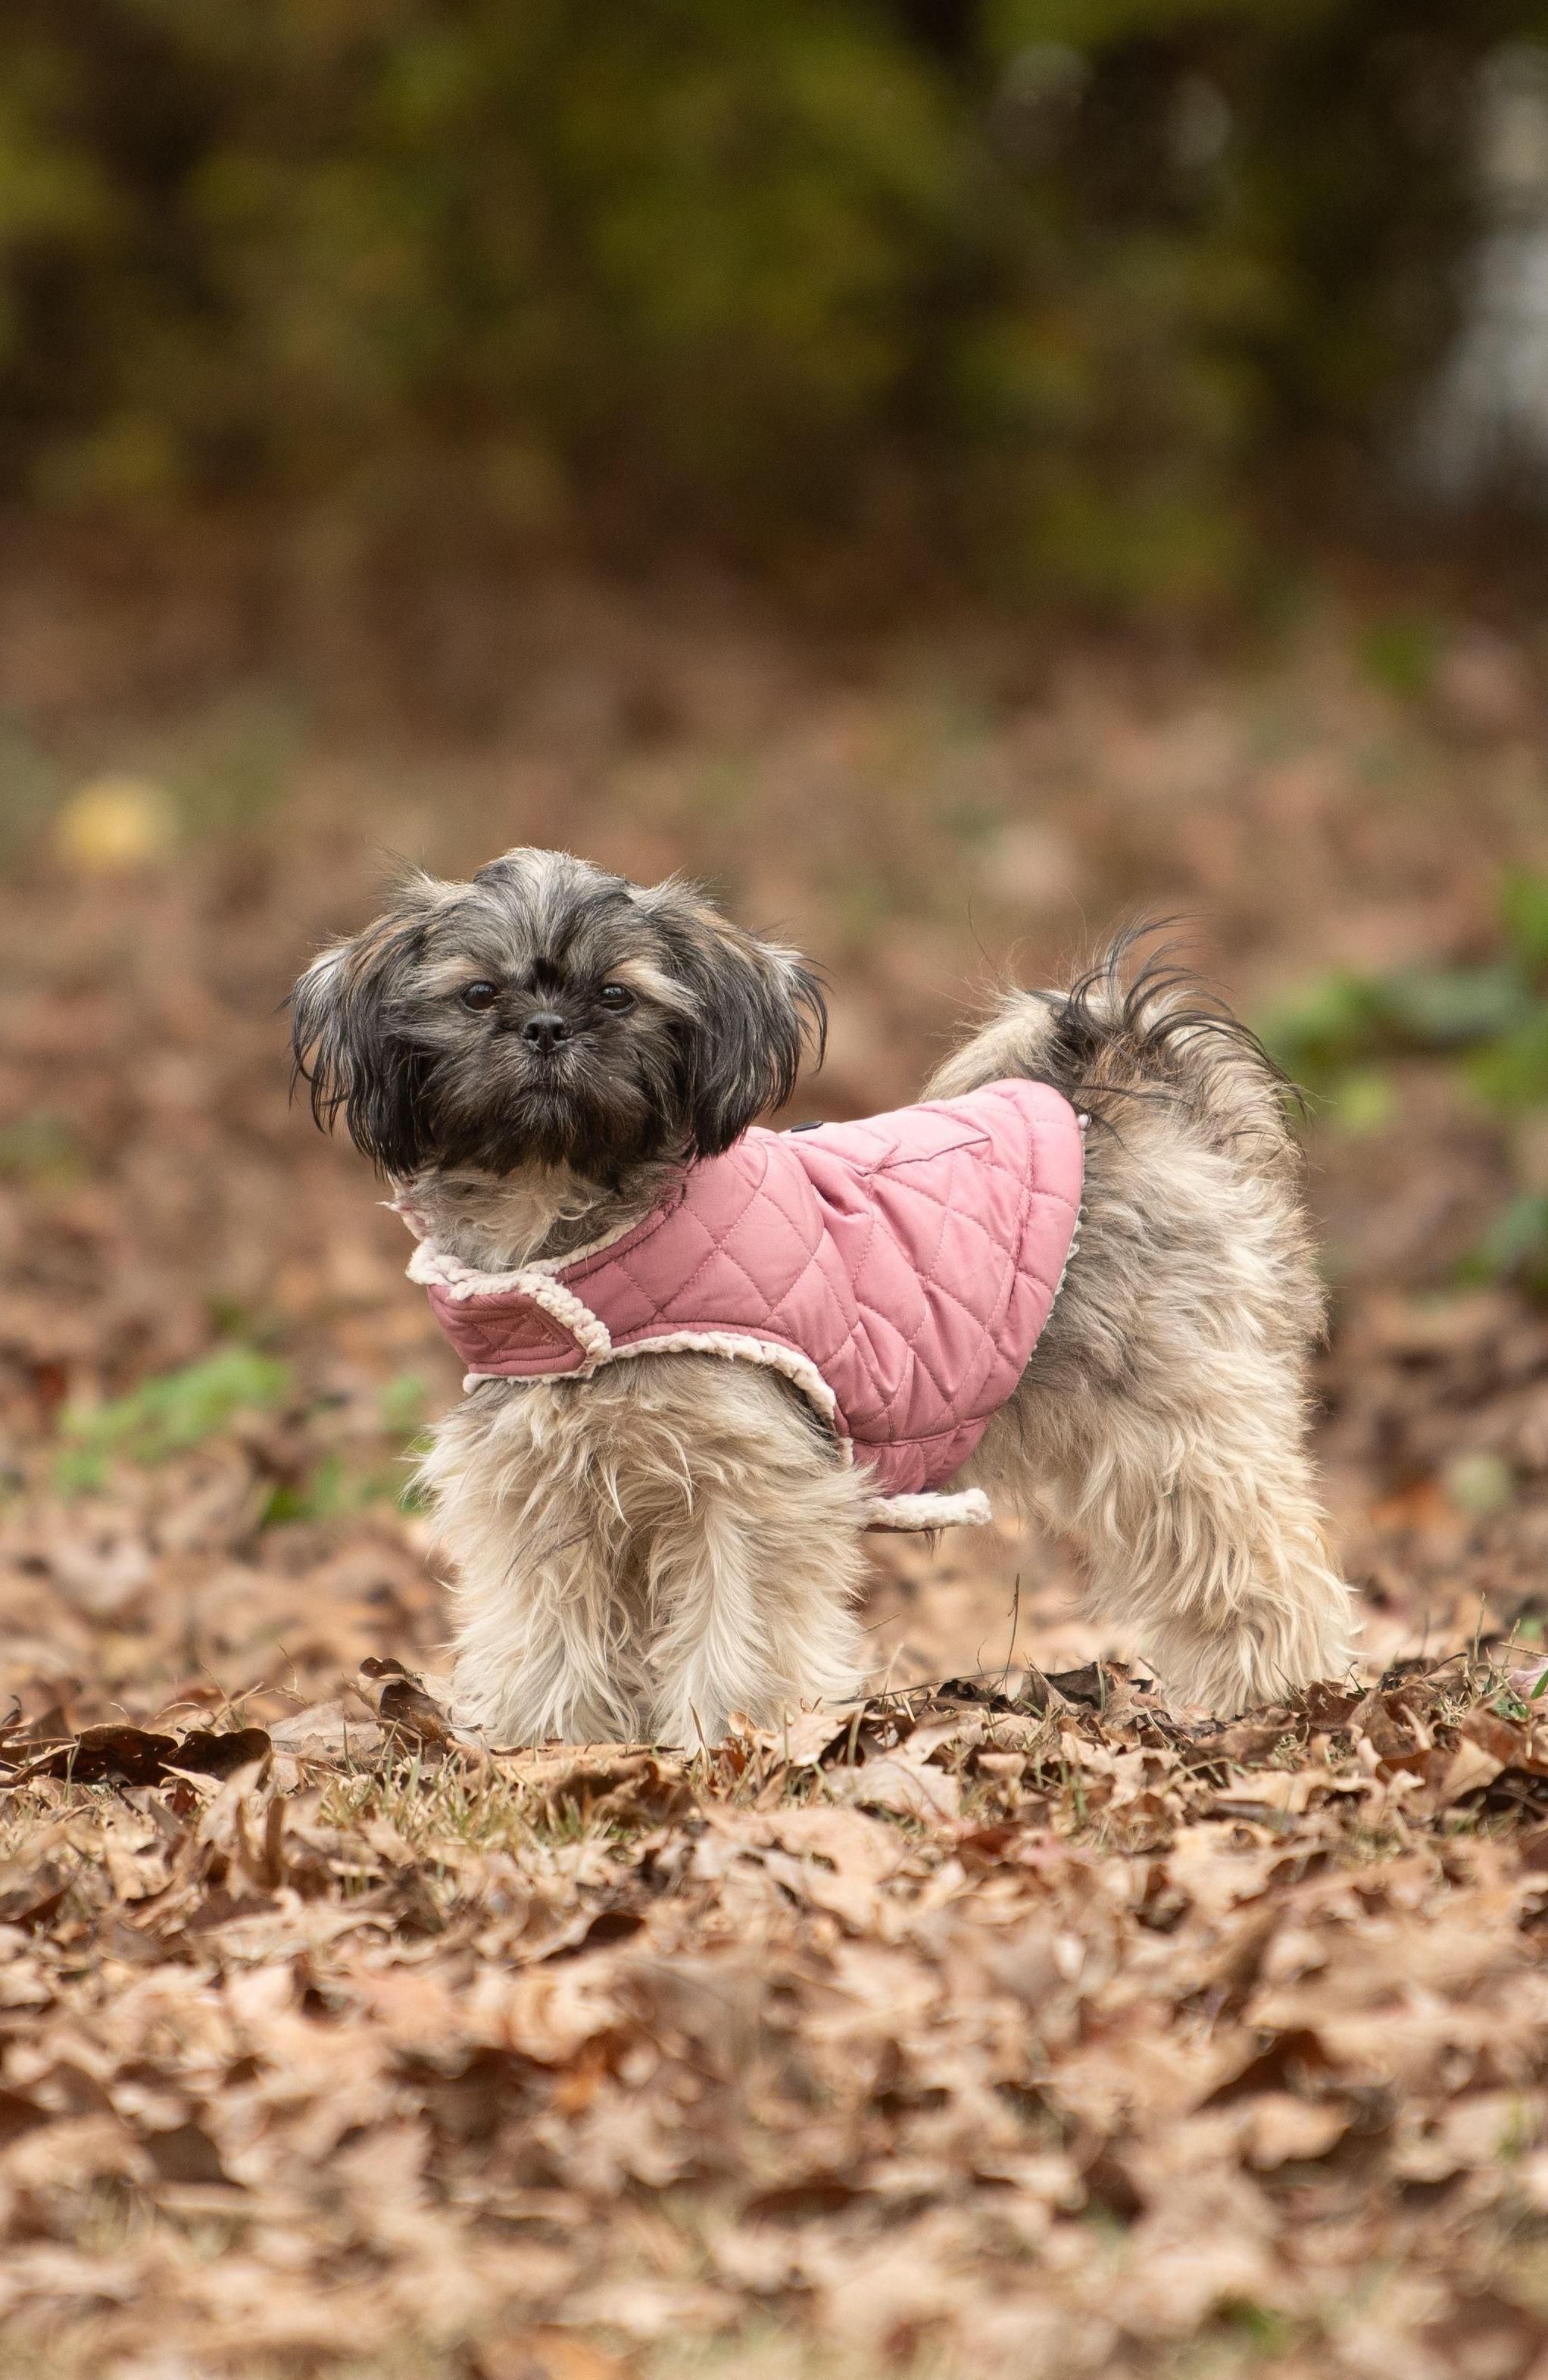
(479, 995)
(616, 996)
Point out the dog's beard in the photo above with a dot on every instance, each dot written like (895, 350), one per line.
(565, 1110)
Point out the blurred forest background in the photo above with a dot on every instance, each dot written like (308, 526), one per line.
(1082, 298)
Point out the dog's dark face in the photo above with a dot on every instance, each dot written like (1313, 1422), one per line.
(549, 1014)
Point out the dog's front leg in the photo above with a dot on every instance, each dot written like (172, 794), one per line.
(545, 1644)
(756, 1619)
(537, 1655)
(753, 1569)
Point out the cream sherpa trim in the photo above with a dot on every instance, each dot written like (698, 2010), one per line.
(731, 1345)
(430, 1267)
(595, 1247)
(746, 1349)
(434, 1268)
(968, 1507)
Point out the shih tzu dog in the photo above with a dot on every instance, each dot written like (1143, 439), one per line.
(703, 1358)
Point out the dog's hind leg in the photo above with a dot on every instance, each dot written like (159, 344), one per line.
(1161, 1424)
(1199, 1527)
(1161, 1421)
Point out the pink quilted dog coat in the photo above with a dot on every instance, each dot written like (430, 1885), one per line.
(899, 1270)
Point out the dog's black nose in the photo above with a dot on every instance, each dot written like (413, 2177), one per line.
(545, 1031)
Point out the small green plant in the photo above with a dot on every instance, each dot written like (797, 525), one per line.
(1489, 1021)
(401, 1404)
(337, 1487)
(334, 1490)
(167, 1414)
(40, 1148)
(183, 1409)
(1515, 1246)
(1398, 652)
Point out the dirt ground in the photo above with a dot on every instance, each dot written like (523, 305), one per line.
(1003, 2028)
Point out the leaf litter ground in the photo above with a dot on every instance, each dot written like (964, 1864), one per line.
(1006, 2022)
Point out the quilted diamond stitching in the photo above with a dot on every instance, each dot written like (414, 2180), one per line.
(946, 1205)
(718, 1246)
(1006, 1271)
(947, 1208)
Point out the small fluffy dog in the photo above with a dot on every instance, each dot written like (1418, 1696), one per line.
(534, 1058)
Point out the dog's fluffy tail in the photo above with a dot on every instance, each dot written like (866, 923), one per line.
(1137, 1027)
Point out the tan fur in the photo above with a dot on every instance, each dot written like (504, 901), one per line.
(646, 1554)
(496, 1222)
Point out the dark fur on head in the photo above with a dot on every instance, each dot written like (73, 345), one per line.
(704, 1027)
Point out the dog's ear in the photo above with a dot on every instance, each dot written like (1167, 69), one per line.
(350, 1048)
(755, 1007)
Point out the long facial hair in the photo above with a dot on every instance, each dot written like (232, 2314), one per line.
(548, 1014)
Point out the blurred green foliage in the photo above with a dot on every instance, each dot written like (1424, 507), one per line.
(167, 1414)
(1490, 1020)
(173, 1413)
(1037, 284)
(40, 1147)
(1398, 653)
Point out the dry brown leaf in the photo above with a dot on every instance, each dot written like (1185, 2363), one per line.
(1471, 1765)
(806, 1738)
(1286, 1790)
(892, 1782)
(1282, 2130)
(330, 1735)
(222, 1755)
(549, 2355)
